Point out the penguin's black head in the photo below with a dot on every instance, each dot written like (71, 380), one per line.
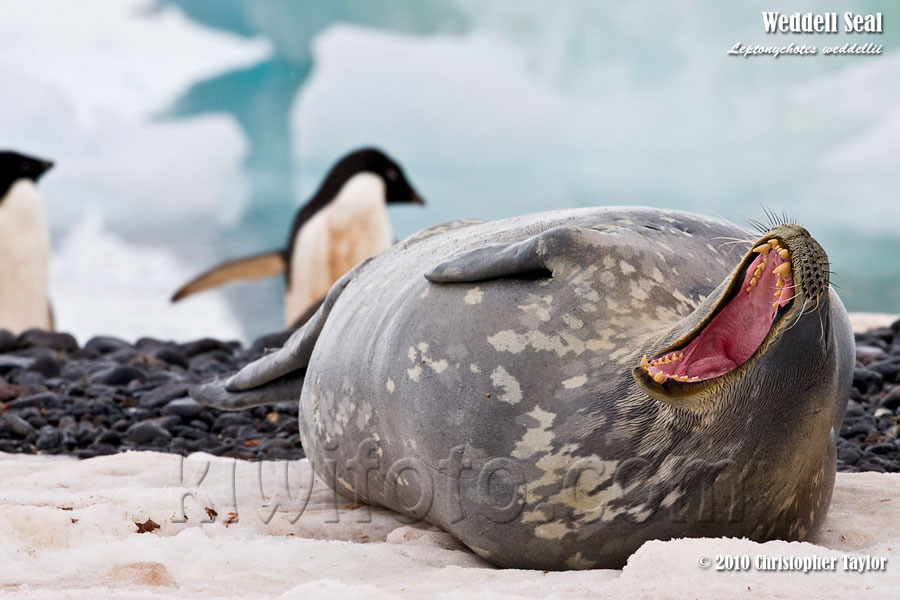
(372, 160)
(15, 166)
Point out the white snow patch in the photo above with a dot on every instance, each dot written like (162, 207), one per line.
(48, 550)
(146, 57)
(101, 285)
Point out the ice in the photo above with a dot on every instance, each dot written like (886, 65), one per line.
(177, 120)
(68, 526)
(863, 321)
(102, 285)
(122, 58)
(82, 85)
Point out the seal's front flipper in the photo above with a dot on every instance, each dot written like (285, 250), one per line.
(538, 255)
(216, 393)
(278, 376)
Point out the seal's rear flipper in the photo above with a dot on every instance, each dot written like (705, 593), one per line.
(278, 376)
(258, 266)
(536, 255)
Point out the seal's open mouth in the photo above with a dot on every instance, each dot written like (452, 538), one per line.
(758, 297)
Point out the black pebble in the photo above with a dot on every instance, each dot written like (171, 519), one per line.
(15, 426)
(46, 366)
(42, 399)
(230, 419)
(866, 381)
(118, 376)
(48, 438)
(47, 339)
(202, 346)
(171, 356)
(148, 432)
(888, 369)
(891, 400)
(106, 344)
(163, 394)
(186, 408)
(7, 340)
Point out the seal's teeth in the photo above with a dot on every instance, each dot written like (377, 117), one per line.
(681, 355)
(752, 281)
(659, 377)
(644, 362)
(784, 254)
(773, 242)
(695, 379)
(783, 270)
(762, 248)
(778, 293)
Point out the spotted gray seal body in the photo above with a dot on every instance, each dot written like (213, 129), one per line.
(556, 389)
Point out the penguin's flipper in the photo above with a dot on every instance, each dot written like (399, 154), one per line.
(278, 376)
(536, 256)
(258, 266)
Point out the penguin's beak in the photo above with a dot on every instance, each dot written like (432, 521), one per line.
(43, 167)
(417, 199)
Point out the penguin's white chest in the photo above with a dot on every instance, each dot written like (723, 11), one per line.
(350, 229)
(24, 255)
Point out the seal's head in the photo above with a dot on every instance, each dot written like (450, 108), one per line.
(760, 372)
(776, 302)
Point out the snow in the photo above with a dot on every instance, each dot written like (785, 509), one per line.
(103, 285)
(68, 526)
(864, 321)
(148, 56)
(84, 84)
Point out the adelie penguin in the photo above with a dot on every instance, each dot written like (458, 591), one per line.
(24, 245)
(344, 223)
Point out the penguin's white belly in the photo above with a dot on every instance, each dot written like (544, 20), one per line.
(334, 241)
(24, 255)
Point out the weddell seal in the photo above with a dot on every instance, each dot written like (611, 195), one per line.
(556, 389)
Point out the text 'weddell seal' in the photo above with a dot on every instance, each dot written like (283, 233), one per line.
(829, 23)
(556, 389)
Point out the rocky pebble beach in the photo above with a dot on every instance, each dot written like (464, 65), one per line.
(870, 434)
(108, 396)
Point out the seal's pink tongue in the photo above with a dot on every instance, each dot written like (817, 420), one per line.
(737, 330)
